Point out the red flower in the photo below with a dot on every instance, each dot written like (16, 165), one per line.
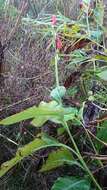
(81, 4)
(58, 43)
(53, 20)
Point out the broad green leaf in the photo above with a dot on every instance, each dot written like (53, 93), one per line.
(103, 75)
(71, 183)
(39, 121)
(60, 130)
(57, 158)
(72, 113)
(24, 115)
(45, 111)
(102, 135)
(58, 93)
(27, 150)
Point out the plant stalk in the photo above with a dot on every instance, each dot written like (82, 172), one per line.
(80, 157)
(56, 69)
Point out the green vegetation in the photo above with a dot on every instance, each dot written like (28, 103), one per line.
(77, 106)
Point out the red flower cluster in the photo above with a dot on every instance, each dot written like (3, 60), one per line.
(57, 40)
(58, 43)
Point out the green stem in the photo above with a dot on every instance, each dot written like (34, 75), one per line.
(80, 157)
(56, 56)
(87, 20)
(56, 69)
(88, 135)
(94, 65)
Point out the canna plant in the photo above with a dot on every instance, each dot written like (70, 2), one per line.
(55, 111)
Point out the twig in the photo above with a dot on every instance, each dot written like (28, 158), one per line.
(98, 157)
(8, 139)
(102, 142)
(12, 32)
(99, 107)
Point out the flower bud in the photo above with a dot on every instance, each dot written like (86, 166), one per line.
(58, 43)
(53, 20)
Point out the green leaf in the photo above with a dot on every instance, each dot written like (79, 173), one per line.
(39, 121)
(60, 130)
(57, 158)
(27, 150)
(24, 115)
(72, 113)
(45, 111)
(71, 183)
(58, 93)
(102, 135)
(103, 75)
(78, 56)
(101, 57)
